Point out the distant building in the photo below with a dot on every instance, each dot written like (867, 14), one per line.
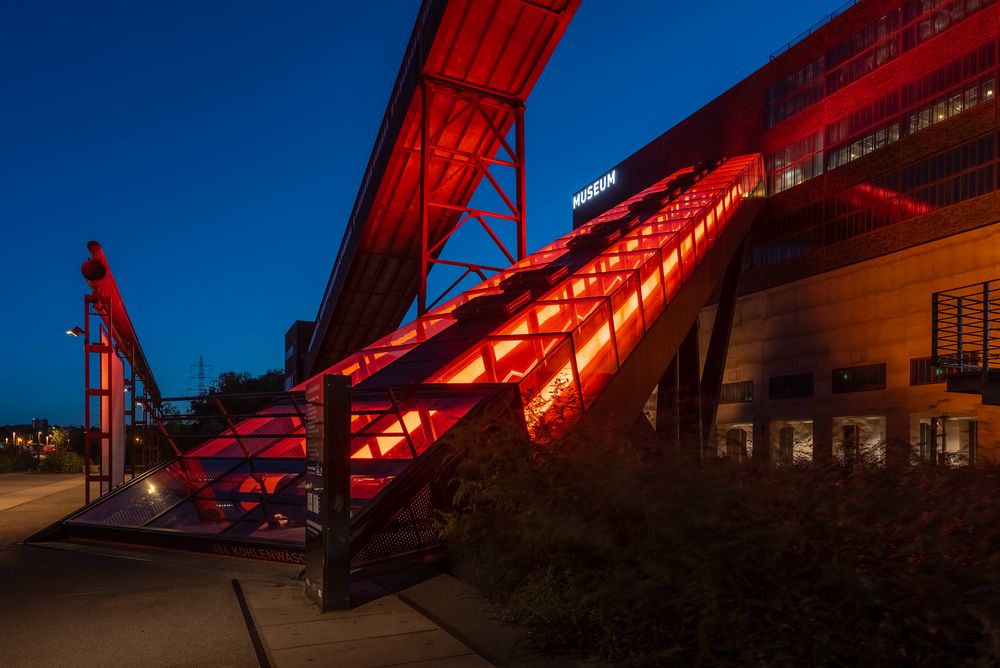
(296, 345)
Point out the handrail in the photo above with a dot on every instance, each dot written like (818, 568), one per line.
(814, 27)
(964, 326)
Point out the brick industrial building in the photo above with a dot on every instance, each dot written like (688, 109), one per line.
(879, 131)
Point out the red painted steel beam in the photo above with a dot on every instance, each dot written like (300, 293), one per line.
(107, 299)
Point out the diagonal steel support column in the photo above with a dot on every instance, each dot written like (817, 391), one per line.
(718, 345)
(689, 397)
(667, 417)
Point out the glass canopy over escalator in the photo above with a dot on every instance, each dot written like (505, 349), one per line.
(557, 327)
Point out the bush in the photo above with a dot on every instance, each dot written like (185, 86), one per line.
(602, 547)
(61, 462)
(15, 459)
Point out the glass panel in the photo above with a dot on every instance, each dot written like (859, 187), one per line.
(687, 253)
(284, 523)
(593, 285)
(286, 447)
(627, 317)
(418, 331)
(619, 262)
(367, 487)
(595, 353)
(551, 317)
(139, 503)
(652, 290)
(425, 420)
(550, 396)
(498, 360)
(203, 516)
(671, 268)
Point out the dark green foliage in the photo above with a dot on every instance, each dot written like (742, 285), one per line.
(61, 462)
(16, 459)
(604, 548)
(224, 391)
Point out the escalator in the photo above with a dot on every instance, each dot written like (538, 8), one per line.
(582, 328)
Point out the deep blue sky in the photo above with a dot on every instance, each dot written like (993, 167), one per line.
(215, 149)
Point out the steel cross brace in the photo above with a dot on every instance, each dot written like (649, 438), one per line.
(496, 113)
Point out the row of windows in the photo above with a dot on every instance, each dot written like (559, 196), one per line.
(952, 176)
(740, 392)
(848, 379)
(862, 65)
(948, 76)
(902, 29)
(862, 146)
(950, 105)
(951, 89)
(946, 440)
(860, 120)
(944, 16)
(870, 219)
(796, 162)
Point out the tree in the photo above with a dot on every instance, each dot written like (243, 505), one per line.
(226, 390)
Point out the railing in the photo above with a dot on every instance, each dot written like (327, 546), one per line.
(814, 27)
(965, 322)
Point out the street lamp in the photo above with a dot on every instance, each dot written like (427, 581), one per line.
(76, 331)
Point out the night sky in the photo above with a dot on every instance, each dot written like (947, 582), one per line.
(215, 149)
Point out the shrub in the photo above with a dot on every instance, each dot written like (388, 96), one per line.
(604, 547)
(15, 459)
(62, 462)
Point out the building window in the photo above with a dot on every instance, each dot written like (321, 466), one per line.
(949, 440)
(863, 146)
(786, 445)
(954, 175)
(859, 378)
(950, 105)
(851, 440)
(924, 372)
(736, 393)
(936, 17)
(956, 73)
(865, 51)
(790, 387)
(801, 89)
(736, 444)
(796, 163)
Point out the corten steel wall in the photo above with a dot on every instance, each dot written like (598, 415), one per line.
(864, 299)
(865, 313)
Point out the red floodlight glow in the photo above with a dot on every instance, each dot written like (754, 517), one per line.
(560, 352)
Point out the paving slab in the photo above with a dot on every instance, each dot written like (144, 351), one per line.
(405, 648)
(384, 631)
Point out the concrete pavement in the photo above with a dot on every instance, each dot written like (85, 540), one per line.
(105, 607)
(77, 605)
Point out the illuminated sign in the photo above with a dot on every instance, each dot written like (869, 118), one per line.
(594, 189)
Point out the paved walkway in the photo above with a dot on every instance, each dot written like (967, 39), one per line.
(405, 615)
(383, 632)
(102, 606)
(19, 488)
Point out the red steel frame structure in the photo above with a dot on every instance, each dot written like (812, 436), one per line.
(108, 339)
(619, 294)
(496, 112)
(460, 91)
